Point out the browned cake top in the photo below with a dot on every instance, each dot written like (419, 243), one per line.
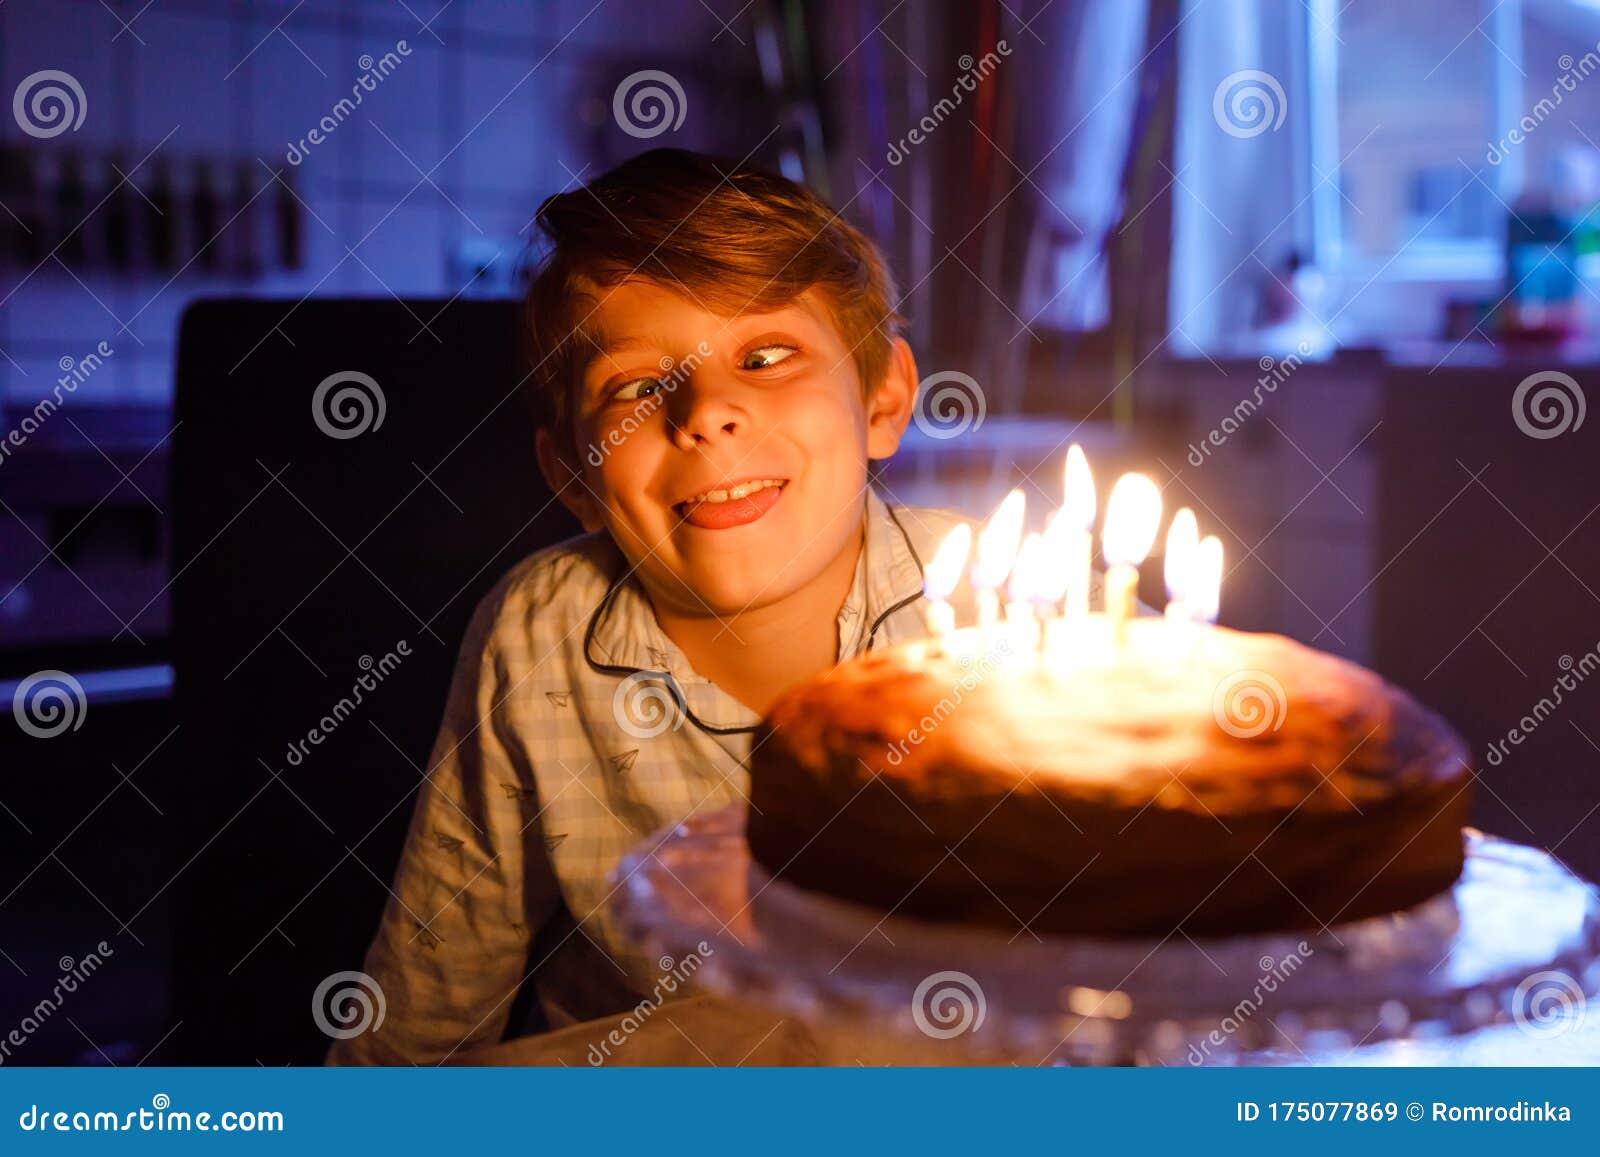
(1233, 723)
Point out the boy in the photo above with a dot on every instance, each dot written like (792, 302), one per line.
(716, 360)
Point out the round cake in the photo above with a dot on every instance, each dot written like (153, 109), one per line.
(1229, 783)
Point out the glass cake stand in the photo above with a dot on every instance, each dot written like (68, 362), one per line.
(1516, 939)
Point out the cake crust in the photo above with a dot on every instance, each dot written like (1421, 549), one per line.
(1246, 784)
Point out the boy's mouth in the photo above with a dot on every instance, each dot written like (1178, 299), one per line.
(732, 505)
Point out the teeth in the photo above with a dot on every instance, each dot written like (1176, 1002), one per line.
(743, 490)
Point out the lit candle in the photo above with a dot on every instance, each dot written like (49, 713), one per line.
(940, 578)
(1205, 592)
(1022, 592)
(1133, 515)
(1053, 577)
(1076, 518)
(1183, 538)
(997, 550)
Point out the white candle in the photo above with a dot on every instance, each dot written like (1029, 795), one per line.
(1023, 594)
(1183, 539)
(1053, 578)
(939, 581)
(1077, 530)
(997, 550)
(1133, 515)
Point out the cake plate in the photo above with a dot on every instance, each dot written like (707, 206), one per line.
(1517, 938)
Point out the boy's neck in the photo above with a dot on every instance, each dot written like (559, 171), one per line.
(759, 653)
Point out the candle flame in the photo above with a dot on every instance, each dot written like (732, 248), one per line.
(998, 541)
(944, 572)
(1133, 515)
(1077, 504)
(1183, 537)
(1205, 585)
(1055, 559)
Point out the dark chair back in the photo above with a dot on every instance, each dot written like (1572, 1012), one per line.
(348, 476)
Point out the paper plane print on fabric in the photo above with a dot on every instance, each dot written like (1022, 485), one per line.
(515, 791)
(558, 698)
(625, 761)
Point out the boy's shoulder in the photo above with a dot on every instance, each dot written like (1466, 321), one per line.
(556, 587)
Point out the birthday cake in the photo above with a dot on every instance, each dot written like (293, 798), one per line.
(1192, 779)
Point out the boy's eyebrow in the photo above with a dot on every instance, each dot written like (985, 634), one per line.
(602, 344)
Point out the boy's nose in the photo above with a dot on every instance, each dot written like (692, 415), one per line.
(702, 412)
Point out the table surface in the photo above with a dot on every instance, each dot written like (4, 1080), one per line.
(708, 1031)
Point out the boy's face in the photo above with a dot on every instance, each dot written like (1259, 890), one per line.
(677, 402)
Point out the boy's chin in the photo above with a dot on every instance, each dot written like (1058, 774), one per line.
(728, 592)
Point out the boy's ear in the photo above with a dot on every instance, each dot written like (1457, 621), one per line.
(566, 481)
(889, 408)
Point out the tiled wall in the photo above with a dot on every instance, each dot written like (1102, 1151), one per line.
(502, 101)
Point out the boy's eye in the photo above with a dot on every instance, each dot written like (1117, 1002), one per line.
(767, 356)
(636, 389)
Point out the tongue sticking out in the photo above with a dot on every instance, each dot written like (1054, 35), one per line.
(733, 512)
